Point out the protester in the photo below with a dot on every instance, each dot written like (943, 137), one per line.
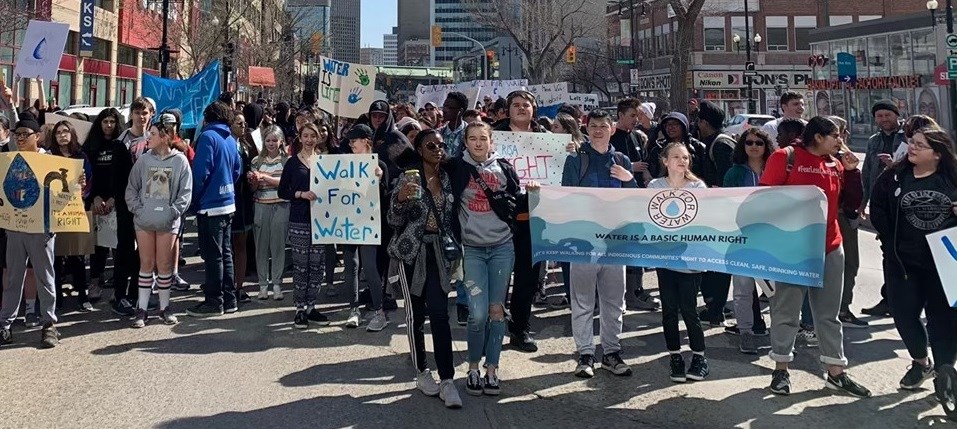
(180, 284)
(409, 128)
(365, 256)
(272, 213)
(216, 168)
(646, 122)
(815, 162)
(676, 130)
(98, 147)
(159, 192)
(471, 115)
(913, 198)
(528, 278)
(486, 190)
(565, 124)
(308, 260)
(430, 115)
(126, 149)
(456, 103)
(750, 156)
(679, 287)
(789, 131)
(423, 254)
(591, 169)
(38, 248)
(242, 129)
(72, 248)
(792, 107)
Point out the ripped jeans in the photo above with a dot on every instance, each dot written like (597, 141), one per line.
(487, 273)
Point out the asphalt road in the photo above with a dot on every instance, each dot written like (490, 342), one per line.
(253, 370)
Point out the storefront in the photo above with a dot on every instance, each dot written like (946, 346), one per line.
(653, 86)
(896, 59)
(729, 88)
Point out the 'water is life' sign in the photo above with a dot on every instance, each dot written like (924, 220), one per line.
(346, 210)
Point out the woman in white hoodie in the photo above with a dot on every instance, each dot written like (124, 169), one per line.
(159, 191)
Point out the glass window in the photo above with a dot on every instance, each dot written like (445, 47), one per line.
(900, 55)
(72, 43)
(802, 27)
(65, 89)
(831, 68)
(876, 56)
(714, 34)
(126, 55)
(102, 49)
(863, 18)
(856, 47)
(840, 20)
(924, 52)
(776, 33)
(737, 27)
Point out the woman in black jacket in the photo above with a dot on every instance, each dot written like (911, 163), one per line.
(911, 199)
(98, 148)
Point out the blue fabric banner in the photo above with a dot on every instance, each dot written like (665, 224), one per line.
(191, 96)
(773, 233)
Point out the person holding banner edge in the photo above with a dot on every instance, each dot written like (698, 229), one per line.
(817, 161)
(915, 197)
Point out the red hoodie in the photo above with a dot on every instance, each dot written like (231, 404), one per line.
(823, 172)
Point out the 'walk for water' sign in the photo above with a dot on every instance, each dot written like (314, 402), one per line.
(346, 210)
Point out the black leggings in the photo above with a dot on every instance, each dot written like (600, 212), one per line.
(332, 259)
(98, 262)
(921, 291)
(679, 297)
(76, 266)
(434, 303)
(126, 266)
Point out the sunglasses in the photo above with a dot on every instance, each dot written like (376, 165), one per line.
(434, 147)
(754, 142)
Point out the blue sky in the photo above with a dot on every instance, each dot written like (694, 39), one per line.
(378, 18)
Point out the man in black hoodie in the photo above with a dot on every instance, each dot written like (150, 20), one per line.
(720, 146)
(674, 126)
(387, 142)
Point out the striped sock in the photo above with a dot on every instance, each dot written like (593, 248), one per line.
(163, 283)
(145, 284)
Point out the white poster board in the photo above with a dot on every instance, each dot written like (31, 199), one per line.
(105, 226)
(81, 127)
(346, 210)
(41, 50)
(535, 156)
(943, 245)
(345, 89)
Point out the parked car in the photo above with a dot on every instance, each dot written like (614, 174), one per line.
(739, 123)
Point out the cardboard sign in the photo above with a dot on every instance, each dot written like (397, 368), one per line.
(347, 208)
(535, 156)
(81, 127)
(346, 89)
(106, 230)
(41, 193)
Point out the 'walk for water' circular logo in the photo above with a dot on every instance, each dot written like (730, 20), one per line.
(673, 208)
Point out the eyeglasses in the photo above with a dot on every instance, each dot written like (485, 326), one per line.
(750, 142)
(434, 147)
(22, 135)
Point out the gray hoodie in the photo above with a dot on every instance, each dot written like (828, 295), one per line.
(481, 227)
(159, 191)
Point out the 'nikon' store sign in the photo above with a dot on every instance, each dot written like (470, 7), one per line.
(705, 79)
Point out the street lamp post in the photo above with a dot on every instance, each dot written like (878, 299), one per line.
(484, 61)
(952, 88)
(748, 39)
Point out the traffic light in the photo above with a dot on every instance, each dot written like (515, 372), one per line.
(436, 36)
(316, 42)
(228, 56)
(571, 55)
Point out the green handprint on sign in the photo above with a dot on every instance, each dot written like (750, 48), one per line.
(363, 77)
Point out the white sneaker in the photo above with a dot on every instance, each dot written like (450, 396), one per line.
(86, 306)
(353, 320)
(264, 292)
(426, 383)
(277, 292)
(378, 323)
(449, 394)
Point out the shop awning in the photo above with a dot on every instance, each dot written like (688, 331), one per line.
(262, 76)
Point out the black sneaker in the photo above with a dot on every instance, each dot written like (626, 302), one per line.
(49, 336)
(205, 309)
(945, 389)
(473, 383)
(318, 317)
(678, 374)
(491, 385)
(844, 383)
(732, 330)
(848, 320)
(230, 307)
(301, 321)
(6, 337)
(179, 284)
(462, 314)
(123, 307)
(390, 304)
(708, 321)
(781, 382)
(541, 300)
(523, 342)
(699, 368)
(586, 366)
(244, 297)
(613, 362)
(916, 375)
(882, 309)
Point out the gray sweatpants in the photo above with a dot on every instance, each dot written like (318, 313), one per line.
(825, 305)
(271, 227)
(609, 280)
(39, 249)
(743, 298)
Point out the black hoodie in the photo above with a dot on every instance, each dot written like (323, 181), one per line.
(389, 143)
(698, 151)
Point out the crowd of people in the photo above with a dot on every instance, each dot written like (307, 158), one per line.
(456, 219)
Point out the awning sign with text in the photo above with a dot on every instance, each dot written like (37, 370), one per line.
(190, 96)
(774, 233)
(346, 210)
(943, 245)
(535, 156)
(346, 89)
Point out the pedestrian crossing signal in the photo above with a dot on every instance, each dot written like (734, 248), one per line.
(571, 55)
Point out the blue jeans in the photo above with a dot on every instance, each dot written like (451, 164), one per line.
(487, 272)
(215, 246)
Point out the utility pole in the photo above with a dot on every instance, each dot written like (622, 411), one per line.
(747, 34)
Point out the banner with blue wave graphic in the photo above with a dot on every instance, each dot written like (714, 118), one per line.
(773, 233)
(190, 96)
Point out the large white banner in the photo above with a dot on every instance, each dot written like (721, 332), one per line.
(346, 89)
(550, 93)
(943, 247)
(535, 156)
(41, 50)
(347, 208)
(436, 94)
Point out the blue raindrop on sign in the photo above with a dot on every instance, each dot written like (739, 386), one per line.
(358, 210)
(40, 51)
(673, 209)
(20, 185)
(327, 215)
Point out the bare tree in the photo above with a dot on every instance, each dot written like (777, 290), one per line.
(595, 68)
(16, 14)
(543, 30)
(686, 13)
